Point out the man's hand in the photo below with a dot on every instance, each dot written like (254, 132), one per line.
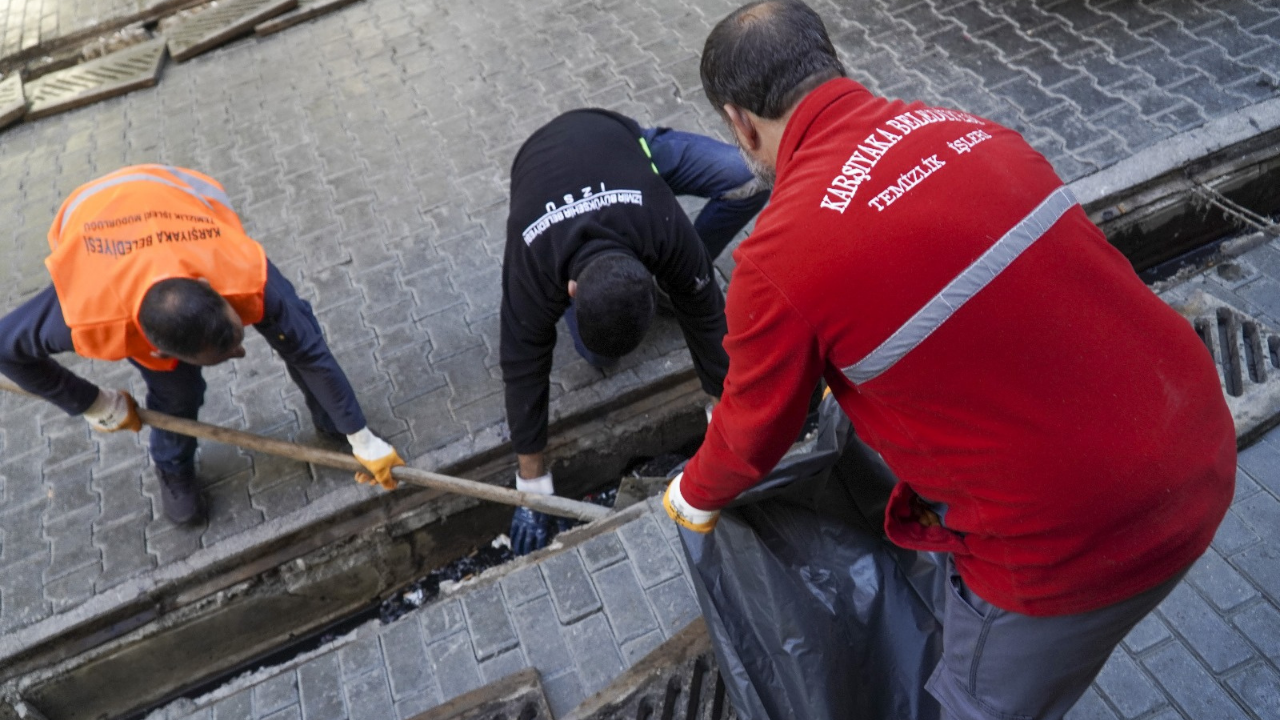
(376, 456)
(686, 515)
(924, 514)
(532, 530)
(114, 410)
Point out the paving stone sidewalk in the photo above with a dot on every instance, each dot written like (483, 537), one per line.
(368, 151)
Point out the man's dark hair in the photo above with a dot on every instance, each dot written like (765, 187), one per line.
(615, 304)
(184, 318)
(766, 56)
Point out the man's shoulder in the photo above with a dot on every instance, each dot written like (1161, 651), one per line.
(574, 126)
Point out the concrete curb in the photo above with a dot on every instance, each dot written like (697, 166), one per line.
(1131, 174)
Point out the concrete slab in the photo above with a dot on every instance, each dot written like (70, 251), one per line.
(1177, 152)
(306, 10)
(210, 28)
(13, 103)
(111, 75)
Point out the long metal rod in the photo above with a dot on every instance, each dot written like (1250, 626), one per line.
(550, 504)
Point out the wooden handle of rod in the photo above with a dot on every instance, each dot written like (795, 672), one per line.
(549, 504)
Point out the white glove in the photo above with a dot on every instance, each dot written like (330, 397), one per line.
(113, 410)
(541, 485)
(686, 515)
(367, 446)
(377, 456)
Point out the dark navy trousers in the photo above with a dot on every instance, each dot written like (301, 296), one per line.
(697, 165)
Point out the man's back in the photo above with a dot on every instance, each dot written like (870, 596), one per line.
(583, 187)
(989, 343)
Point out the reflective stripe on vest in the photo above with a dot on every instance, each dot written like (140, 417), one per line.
(960, 290)
(195, 187)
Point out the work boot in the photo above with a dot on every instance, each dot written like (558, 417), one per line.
(181, 498)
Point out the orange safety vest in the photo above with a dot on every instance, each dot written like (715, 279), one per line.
(118, 235)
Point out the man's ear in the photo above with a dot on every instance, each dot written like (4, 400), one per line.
(573, 288)
(744, 127)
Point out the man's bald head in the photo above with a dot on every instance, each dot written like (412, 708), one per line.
(766, 56)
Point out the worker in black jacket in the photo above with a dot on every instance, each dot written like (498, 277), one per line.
(594, 220)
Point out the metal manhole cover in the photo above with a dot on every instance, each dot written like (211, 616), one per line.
(12, 102)
(1247, 354)
(115, 74)
(306, 10)
(206, 30)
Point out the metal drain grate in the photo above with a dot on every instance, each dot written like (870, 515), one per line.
(680, 680)
(306, 10)
(1247, 354)
(115, 74)
(693, 691)
(12, 102)
(215, 26)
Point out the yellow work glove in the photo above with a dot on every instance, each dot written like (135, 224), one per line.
(686, 515)
(377, 456)
(114, 410)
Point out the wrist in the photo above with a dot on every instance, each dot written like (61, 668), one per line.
(531, 466)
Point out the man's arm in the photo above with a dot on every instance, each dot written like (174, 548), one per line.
(684, 271)
(775, 365)
(291, 329)
(528, 337)
(28, 336)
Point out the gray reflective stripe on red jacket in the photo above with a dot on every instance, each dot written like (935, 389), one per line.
(195, 187)
(960, 290)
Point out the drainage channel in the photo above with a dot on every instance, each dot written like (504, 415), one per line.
(492, 552)
(306, 589)
(321, 580)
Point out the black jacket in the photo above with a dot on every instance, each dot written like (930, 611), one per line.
(581, 185)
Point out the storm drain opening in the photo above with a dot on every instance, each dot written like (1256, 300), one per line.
(1228, 331)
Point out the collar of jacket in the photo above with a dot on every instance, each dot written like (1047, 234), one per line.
(808, 111)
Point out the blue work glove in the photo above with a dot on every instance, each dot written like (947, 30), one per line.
(532, 530)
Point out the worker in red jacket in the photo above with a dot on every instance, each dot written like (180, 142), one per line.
(150, 264)
(1055, 427)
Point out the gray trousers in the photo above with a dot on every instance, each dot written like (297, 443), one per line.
(1000, 665)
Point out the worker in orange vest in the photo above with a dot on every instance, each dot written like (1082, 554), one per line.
(150, 264)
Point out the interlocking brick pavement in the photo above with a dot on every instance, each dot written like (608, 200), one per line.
(368, 151)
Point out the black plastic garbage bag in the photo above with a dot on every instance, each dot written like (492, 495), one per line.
(813, 613)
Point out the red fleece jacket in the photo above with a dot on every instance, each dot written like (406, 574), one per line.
(987, 341)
